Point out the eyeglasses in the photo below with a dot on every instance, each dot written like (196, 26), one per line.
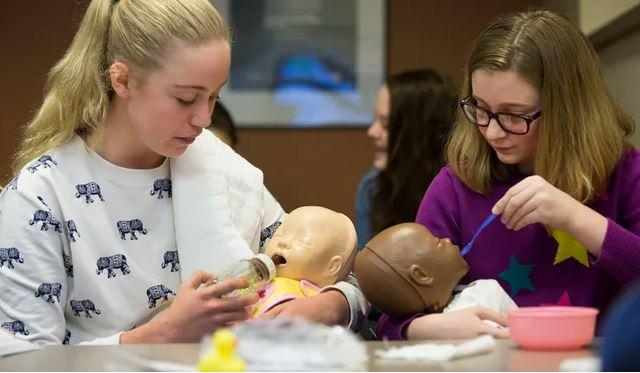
(517, 124)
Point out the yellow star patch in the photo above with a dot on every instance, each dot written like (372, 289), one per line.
(569, 247)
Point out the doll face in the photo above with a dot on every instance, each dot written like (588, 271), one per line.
(312, 244)
(441, 260)
(409, 256)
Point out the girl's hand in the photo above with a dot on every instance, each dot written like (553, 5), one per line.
(534, 200)
(195, 312)
(461, 324)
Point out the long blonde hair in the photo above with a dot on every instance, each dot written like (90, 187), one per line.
(582, 130)
(139, 32)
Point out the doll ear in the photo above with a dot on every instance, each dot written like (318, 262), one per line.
(419, 276)
(335, 265)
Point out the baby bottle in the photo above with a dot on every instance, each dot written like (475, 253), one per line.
(258, 270)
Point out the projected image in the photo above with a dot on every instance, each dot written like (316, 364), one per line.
(304, 63)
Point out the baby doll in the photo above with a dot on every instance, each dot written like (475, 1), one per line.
(405, 270)
(313, 248)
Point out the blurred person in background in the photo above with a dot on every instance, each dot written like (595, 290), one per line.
(413, 114)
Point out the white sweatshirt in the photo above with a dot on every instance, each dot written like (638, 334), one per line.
(88, 249)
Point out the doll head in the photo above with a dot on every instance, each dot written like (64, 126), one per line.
(404, 270)
(314, 244)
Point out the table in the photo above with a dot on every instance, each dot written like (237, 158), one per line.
(506, 357)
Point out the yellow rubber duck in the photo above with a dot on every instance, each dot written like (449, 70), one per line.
(222, 357)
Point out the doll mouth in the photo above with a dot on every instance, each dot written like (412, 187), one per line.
(279, 259)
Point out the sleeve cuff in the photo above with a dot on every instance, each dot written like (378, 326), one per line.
(393, 329)
(619, 255)
(358, 305)
(110, 340)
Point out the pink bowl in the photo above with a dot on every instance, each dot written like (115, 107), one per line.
(552, 328)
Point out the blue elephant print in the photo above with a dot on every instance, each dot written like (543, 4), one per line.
(9, 254)
(50, 290)
(46, 218)
(71, 229)
(171, 257)
(158, 292)
(112, 262)
(15, 327)
(131, 227)
(268, 232)
(42, 161)
(161, 185)
(85, 306)
(87, 190)
(68, 264)
(67, 337)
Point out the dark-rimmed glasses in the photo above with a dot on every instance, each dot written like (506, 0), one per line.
(517, 124)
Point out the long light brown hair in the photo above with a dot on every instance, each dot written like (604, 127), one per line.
(138, 32)
(582, 130)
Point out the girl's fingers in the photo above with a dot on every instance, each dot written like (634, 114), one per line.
(232, 304)
(224, 287)
(515, 204)
(227, 317)
(497, 332)
(489, 314)
(198, 278)
(514, 190)
(522, 216)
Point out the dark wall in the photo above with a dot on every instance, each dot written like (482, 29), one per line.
(33, 35)
(301, 167)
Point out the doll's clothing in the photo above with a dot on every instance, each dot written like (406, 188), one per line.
(282, 290)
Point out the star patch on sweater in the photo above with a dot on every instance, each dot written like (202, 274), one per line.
(517, 275)
(569, 247)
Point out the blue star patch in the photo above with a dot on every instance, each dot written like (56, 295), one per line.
(517, 275)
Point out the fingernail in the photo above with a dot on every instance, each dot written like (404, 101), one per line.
(494, 210)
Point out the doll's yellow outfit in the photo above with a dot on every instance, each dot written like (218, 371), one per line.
(282, 290)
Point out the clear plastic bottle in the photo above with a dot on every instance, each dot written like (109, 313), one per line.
(258, 270)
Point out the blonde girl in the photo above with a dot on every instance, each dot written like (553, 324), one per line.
(87, 230)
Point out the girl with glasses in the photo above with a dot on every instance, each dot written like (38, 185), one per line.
(538, 142)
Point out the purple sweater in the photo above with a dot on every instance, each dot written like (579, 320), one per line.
(523, 262)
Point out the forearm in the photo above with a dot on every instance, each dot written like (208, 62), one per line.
(357, 305)
(589, 228)
(341, 314)
(146, 333)
(620, 254)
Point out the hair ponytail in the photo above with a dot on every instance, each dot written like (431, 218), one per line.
(138, 32)
(76, 94)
